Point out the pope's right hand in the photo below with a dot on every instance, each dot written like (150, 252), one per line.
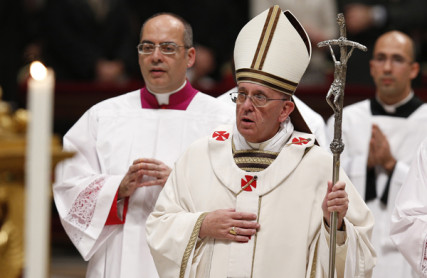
(229, 224)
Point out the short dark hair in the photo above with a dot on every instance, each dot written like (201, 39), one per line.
(188, 30)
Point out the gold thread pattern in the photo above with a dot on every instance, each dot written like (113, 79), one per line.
(256, 236)
(266, 37)
(272, 81)
(313, 266)
(262, 35)
(253, 160)
(191, 243)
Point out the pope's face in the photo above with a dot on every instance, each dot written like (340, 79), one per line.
(258, 124)
(165, 72)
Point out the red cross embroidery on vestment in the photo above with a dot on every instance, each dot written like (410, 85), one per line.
(246, 180)
(220, 135)
(300, 140)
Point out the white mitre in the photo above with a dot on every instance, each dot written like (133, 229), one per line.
(274, 50)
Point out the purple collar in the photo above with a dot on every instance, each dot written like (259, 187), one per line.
(177, 101)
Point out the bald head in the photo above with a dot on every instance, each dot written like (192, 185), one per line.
(399, 39)
(393, 67)
(176, 20)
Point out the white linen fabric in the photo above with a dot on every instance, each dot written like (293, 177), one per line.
(287, 198)
(409, 219)
(107, 139)
(274, 144)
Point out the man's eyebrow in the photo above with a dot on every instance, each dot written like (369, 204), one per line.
(258, 91)
(379, 54)
(398, 56)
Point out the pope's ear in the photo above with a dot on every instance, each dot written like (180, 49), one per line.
(191, 57)
(288, 107)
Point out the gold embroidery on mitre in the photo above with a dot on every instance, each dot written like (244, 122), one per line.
(266, 37)
(270, 80)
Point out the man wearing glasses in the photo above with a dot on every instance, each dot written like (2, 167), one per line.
(314, 120)
(125, 147)
(381, 136)
(253, 199)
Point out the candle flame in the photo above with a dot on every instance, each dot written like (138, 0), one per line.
(38, 71)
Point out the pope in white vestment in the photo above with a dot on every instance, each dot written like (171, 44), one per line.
(404, 129)
(287, 197)
(252, 199)
(409, 220)
(107, 139)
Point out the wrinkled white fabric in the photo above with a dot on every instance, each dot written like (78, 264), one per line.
(404, 136)
(409, 219)
(107, 139)
(287, 199)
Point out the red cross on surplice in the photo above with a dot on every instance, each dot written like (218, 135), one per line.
(220, 135)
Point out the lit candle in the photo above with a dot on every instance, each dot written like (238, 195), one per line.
(38, 171)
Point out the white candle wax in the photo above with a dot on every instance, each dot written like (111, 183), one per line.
(38, 171)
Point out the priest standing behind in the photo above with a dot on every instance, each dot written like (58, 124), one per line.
(381, 136)
(254, 199)
(125, 147)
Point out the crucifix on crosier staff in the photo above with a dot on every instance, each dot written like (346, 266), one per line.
(335, 99)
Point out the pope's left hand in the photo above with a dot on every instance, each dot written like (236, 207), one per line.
(336, 199)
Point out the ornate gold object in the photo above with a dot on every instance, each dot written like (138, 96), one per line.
(12, 191)
(233, 231)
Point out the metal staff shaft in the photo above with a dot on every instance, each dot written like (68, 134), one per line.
(335, 99)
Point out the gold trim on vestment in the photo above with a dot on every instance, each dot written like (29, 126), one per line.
(236, 152)
(256, 236)
(256, 160)
(193, 239)
(253, 160)
(313, 266)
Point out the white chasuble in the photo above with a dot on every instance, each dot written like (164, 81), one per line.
(109, 137)
(286, 197)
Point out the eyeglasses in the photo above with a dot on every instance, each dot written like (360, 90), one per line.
(395, 60)
(258, 100)
(167, 48)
